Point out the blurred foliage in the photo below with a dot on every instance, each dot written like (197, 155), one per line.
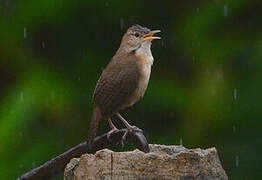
(205, 88)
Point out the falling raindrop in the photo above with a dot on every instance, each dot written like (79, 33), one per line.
(162, 43)
(235, 93)
(21, 96)
(25, 33)
(237, 160)
(79, 78)
(234, 129)
(33, 164)
(181, 141)
(194, 59)
(122, 23)
(198, 10)
(43, 44)
(225, 10)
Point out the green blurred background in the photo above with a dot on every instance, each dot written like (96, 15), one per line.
(205, 87)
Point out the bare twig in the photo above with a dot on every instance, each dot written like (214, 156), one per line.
(58, 163)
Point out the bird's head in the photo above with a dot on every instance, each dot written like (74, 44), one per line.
(135, 36)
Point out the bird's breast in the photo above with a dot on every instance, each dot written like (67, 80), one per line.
(145, 76)
(144, 63)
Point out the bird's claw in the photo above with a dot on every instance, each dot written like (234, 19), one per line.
(135, 129)
(131, 129)
(109, 133)
(124, 137)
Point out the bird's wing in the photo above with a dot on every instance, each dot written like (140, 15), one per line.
(116, 85)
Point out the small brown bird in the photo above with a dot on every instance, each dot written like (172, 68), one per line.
(124, 81)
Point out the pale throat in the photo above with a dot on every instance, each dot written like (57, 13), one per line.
(145, 51)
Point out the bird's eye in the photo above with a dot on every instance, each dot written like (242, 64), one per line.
(137, 34)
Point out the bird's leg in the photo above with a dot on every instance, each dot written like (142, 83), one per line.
(113, 128)
(129, 128)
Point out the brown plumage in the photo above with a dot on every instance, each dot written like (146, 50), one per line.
(117, 84)
(125, 79)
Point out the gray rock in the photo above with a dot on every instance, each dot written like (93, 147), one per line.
(163, 162)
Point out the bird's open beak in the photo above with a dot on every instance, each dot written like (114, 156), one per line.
(149, 36)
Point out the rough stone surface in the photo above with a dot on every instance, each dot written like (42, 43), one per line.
(163, 162)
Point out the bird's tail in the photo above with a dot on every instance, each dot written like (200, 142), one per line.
(93, 126)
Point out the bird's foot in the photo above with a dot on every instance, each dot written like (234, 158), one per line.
(131, 129)
(109, 133)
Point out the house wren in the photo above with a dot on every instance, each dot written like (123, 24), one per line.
(124, 81)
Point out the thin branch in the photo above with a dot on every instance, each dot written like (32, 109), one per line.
(58, 163)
